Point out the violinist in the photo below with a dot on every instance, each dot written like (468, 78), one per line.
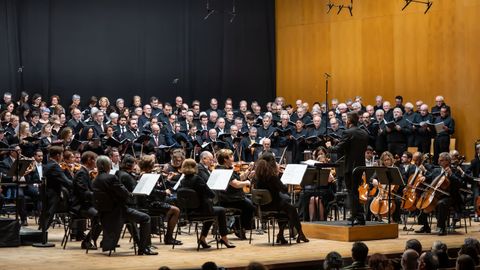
(406, 167)
(234, 197)
(82, 200)
(155, 203)
(370, 157)
(68, 165)
(206, 162)
(266, 176)
(444, 172)
(460, 192)
(172, 169)
(114, 156)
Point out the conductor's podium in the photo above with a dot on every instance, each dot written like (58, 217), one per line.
(343, 231)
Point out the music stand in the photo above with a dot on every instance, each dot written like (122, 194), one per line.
(318, 177)
(385, 175)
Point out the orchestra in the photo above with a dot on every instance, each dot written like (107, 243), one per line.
(106, 148)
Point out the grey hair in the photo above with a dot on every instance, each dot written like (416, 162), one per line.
(104, 164)
(75, 97)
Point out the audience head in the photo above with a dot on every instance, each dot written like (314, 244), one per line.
(428, 261)
(359, 251)
(256, 266)
(379, 262)
(465, 262)
(333, 261)
(414, 244)
(409, 260)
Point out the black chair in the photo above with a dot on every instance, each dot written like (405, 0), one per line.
(188, 202)
(261, 197)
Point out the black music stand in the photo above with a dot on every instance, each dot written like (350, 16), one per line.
(385, 175)
(317, 177)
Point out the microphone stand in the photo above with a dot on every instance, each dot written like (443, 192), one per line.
(326, 101)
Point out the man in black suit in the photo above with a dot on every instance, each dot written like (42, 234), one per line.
(353, 144)
(76, 118)
(57, 187)
(99, 124)
(206, 160)
(111, 199)
(82, 199)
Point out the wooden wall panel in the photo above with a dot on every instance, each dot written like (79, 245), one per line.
(383, 50)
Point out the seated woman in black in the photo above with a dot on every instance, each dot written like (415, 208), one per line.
(266, 177)
(205, 194)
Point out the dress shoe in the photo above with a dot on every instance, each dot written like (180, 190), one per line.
(147, 251)
(358, 222)
(227, 244)
(281, 240)
(203, 244)
(88, 245)
(423, 229)
(442, 231)
(302, 238)
(240, 234)
(171, 241)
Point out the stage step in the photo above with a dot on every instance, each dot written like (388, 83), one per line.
(343, 231)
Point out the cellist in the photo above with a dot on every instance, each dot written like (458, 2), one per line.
(443, 204)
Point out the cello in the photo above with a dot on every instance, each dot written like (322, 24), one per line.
(429, 199)
(412, 190)
(379, 205)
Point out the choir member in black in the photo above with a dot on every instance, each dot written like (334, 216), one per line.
(57, 187)
(299, 134)
(35, 125)
(249, 152)
(155, 203)
(423, 134)
(411, 117)
(46, 137)
(99, 123)
(82, 198)
(234, 196)
(205, 196)
(24, 135)
(379, 132)
(267, 177)
(267, 129)
(439, 103)
(317, 129)
(204, 166)
(220, 126)
(76, 118)
(388, 111)
(203, 125)
(112, 197)
(444, 202)
(157, 139)
(93, 141)
(121, 128)
(335, 129)
(267, 148)
(353, 144)
(442, 138)
(398, 134)
(66, 135)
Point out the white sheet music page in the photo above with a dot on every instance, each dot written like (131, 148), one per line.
(293, 174)
(146, 184)
(219, 179)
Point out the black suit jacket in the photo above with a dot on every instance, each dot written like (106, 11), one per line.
(204, 193)
(82, 190)
(353, 144)
(203, 172)
(55, 177)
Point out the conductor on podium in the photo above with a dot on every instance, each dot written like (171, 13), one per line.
(353, 145)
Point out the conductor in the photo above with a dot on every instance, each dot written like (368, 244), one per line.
(353, 145)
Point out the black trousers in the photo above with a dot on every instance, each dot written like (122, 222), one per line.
(2, 201)
(248, 211)
(96, 229)
(423, 143)
(31, 192)
(352, 184)
(441, 210)
(143, 237)
(221, 219)
(49, 210)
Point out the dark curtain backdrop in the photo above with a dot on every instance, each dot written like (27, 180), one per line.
(119, 48)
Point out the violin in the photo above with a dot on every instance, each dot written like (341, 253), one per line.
(93, 173)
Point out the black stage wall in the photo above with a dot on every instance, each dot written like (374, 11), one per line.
(119, 48)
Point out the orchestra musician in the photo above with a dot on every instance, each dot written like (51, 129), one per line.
(353, 144)
(234, 196)
(111, 201)
(444, 202)
(267, 177)
(205, 195)
(82, 199)
(205, 164)
(57, 187)
(474, 171)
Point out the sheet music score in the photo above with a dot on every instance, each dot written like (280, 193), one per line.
(439, 127)
(293, 174)
(219, 179)
(146, 184)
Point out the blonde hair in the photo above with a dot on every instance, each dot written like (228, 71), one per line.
(146, 163)
(384, 155)
(223, 155)
(189, 167)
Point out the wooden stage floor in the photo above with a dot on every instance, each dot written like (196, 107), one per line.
(186, 256)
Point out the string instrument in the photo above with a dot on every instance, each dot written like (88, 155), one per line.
(412, 190)
(364, 191)
(379, 205)
(429, 199)
(70, 168)
(93, 173)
